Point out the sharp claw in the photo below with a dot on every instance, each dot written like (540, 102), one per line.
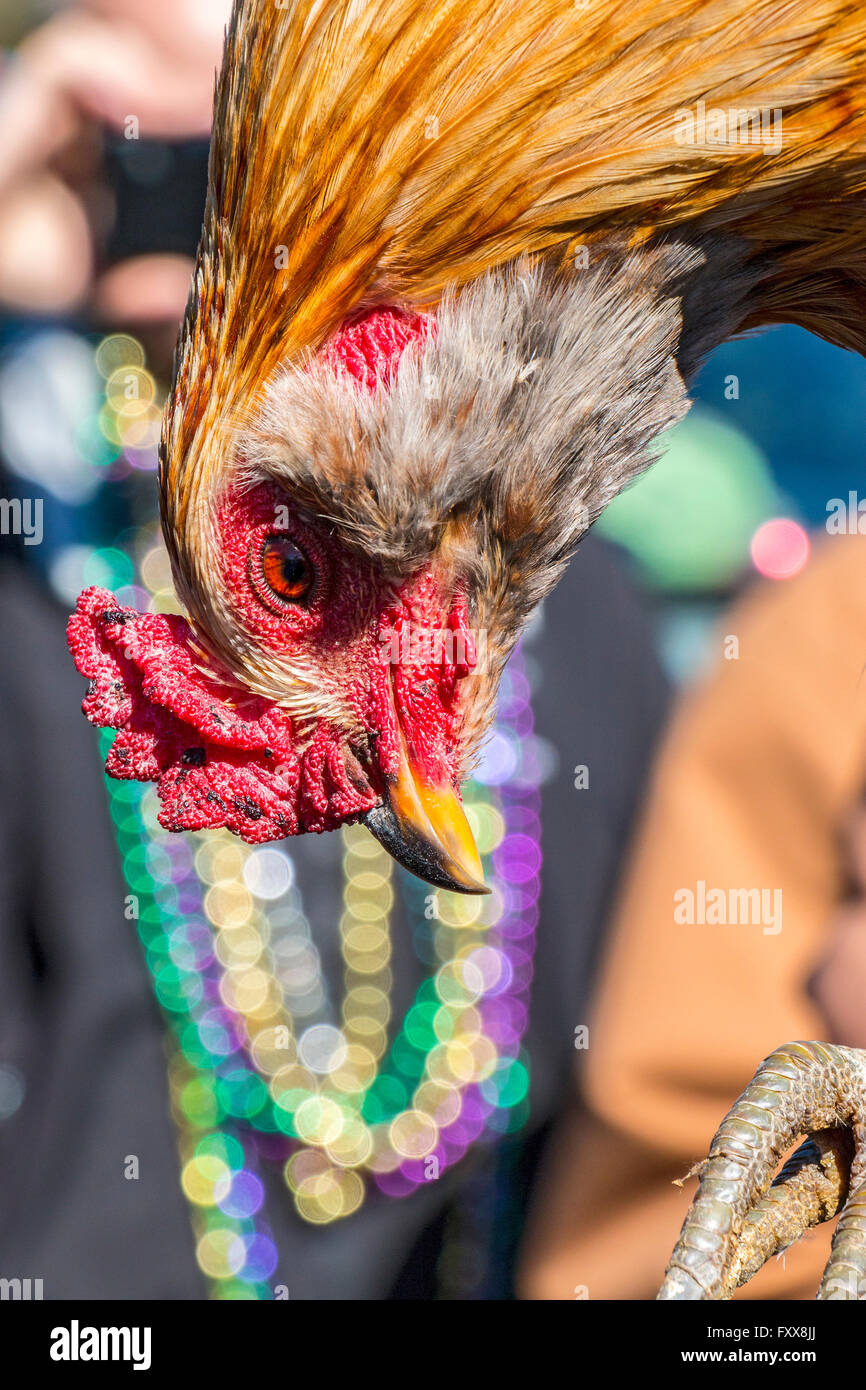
(804, 1088)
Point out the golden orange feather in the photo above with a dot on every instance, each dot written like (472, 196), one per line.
(383, 151)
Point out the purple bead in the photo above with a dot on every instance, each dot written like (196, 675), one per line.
(244, 1197)
(394, 1184)
(262, 1259)
(521, 819)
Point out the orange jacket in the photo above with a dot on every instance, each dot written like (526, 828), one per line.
(763, 760)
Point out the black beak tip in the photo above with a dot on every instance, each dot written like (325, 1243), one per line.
(413, 852)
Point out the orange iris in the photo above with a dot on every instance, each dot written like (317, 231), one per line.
(288, 573)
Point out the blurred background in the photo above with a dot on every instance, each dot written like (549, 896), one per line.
(104, 115)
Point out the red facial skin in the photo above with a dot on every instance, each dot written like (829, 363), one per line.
(224, 757)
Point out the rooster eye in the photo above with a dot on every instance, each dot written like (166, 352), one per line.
(287, 571)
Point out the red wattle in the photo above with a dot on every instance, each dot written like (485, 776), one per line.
(219, 755)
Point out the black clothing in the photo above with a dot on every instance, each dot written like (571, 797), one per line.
(80, 1030)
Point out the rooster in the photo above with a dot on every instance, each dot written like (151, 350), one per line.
(460, 262)
(458, 266)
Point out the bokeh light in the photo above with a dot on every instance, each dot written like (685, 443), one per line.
(689, 519)
(780, 548)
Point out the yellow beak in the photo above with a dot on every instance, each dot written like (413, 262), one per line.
(424, 827)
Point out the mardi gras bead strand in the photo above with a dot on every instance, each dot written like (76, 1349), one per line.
(459, 1063)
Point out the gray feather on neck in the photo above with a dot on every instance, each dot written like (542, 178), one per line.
(540, 395)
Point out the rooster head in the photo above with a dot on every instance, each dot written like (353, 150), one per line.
(395, 507)
(320, 683)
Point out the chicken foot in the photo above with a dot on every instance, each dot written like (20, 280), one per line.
(740, 1217)
(811, 1188)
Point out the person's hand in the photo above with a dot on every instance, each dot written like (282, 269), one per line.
(142, 65)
